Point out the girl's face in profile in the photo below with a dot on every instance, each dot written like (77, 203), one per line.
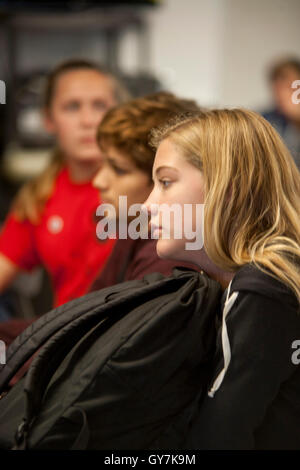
(80, 100)
(119, 176)
(176, 181)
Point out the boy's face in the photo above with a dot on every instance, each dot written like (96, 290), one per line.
(119, 176)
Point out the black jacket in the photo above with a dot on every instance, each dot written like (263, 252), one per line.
(255, 402)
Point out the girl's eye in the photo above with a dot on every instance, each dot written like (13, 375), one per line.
(100, 105)
(165, 183)
(116, 169)
(72, 106)
(120, 171)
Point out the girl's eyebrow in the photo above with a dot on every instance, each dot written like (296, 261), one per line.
(112, 161)
(70, 100)
(165, 167)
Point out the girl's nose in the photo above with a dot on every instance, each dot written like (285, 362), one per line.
(150, 205)
(88, 117)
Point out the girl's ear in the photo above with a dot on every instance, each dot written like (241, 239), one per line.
(48, 121)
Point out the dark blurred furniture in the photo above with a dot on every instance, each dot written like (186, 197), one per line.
(105, 24)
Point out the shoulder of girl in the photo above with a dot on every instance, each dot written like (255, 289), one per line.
(250, 279)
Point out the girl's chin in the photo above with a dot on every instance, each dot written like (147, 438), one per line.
(169, 249)
(87, 157)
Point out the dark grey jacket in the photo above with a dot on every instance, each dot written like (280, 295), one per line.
(253, 401)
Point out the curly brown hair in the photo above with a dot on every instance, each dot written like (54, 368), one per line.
(127, 127)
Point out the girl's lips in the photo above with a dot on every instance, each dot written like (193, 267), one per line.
(155, 227)
(88, 140)
(155, 230)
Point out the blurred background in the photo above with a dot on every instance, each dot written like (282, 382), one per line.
(215, 51)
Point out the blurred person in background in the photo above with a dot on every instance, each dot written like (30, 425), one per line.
(51, 222)
(285, 116)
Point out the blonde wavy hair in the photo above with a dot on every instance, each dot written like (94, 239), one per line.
(32, 197)
(252, 190)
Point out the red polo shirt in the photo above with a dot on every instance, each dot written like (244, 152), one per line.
(64, 241)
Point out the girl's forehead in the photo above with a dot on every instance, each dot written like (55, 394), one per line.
(169, 155)
(83, 81)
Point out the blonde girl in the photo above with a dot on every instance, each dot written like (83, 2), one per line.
(235, 163)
